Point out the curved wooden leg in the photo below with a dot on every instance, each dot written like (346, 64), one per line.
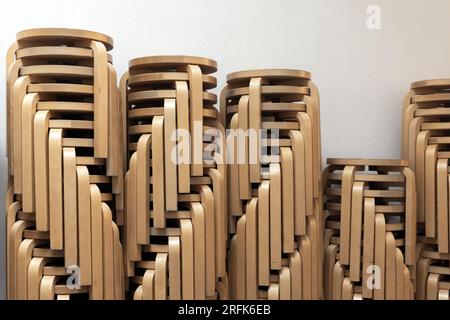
(355, 231)
(148, 285)
(28, 112)
(84, 223)
(306, 256)
(55, 170)
(35, 274)
(433, 286)
(182, 109)
(108, 254)
(329, 262)
(287, 173)
(423, 267)
(390, 288)
(132, 223)
(161, 276)
(141, 174)
(399, 279)
(430, 187)
(47, 291)
(346, 207)
(187, 259)
(419, 156)
(251, 273)
(274, 291)
(96, 290)
(170, 164)
(196, 118)
(19, 92)
(220, 220)
(338, 279)
(198, 226)
(285, 284)
(138, 294)
(254, 124)
(347, 289)
(159, 220)
(298, 147)
(245, 190)
(368, 245)
(380, 254)
(174, 269)
(275, 217)
(41, 120)
(207, 202)
(241, 258)
(306, 130)
(118, 265)
(411, 217)
(101, 114)
(70, 208)
(15, 240)
(295, 267)
(24, 257)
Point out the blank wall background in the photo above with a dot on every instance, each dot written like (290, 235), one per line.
(362, 74)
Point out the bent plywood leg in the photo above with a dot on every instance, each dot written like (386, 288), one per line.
(70, 208)
(196, 118)
(35, 274)
(170, 164)
(442, 204)
(287, 173)
(161, 276)
(285, 284)
(182, 109)
(41, 168)
(142, 175)
(254, 124)
(380, 256)
(174, 268)
(251, 273)
(355, 231)
(275, 217)
(55, 170)
(198, 227)
(298, 147)
(430, 190)
(187, 259)
(100, 100)
(96, 291)
(28, 112)
(346, 205)
(108, 253)
(368, 245)
(159, 220)
(84, 225)
(264, 256)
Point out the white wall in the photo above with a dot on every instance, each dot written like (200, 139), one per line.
(362, 74)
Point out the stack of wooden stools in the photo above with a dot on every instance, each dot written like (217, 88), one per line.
(64, 163)
(176, 228)
(370, 231)
(426, 144)
(275, 251)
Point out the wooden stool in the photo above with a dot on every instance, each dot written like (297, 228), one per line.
(370, 236)
(65, 165)
(274, 199)
(176, 228)
(426, 145)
